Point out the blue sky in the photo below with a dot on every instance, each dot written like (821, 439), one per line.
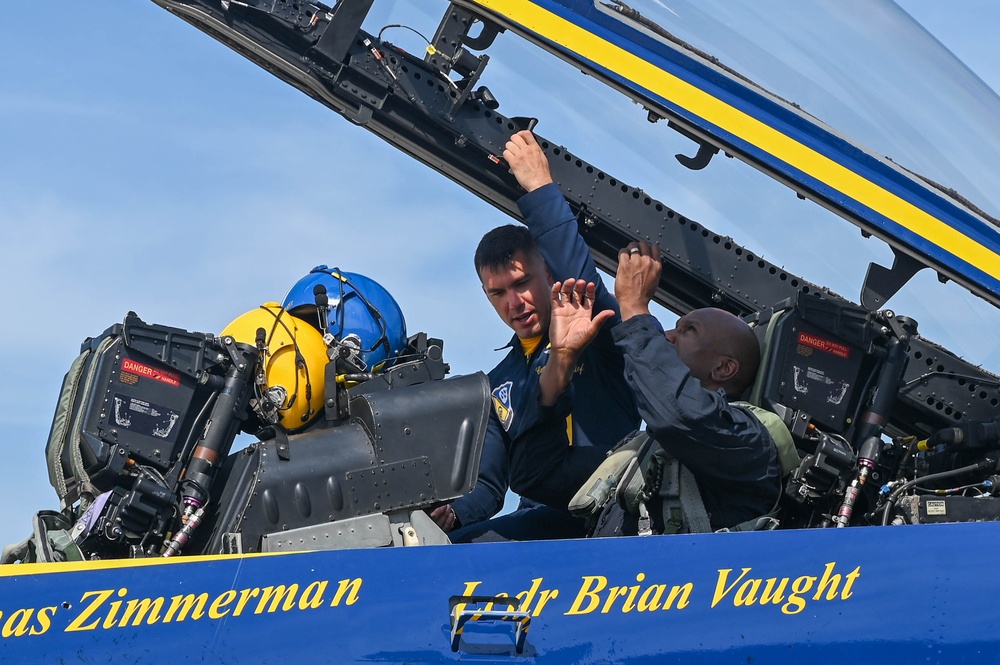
(148, 168)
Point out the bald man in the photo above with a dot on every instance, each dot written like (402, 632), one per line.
(684, 380)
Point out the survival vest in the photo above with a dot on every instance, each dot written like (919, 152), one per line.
(638, 471)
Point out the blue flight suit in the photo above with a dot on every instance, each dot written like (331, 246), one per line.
(528, 446)
(729, 451)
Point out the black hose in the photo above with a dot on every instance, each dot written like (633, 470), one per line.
(984, 463)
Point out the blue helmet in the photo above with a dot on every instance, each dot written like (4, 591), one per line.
(357, 305)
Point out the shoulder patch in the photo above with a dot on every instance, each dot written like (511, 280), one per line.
(502, 404)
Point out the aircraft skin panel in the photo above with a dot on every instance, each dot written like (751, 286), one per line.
(780, 596)
(878, 195)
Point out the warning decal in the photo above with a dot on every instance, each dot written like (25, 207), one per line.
(162, 375)
(815, 342)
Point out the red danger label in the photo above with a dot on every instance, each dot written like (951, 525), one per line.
(162, 375)
(841, 350)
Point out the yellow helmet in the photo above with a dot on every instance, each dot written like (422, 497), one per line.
(294, 361)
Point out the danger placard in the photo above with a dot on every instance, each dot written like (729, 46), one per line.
(162, 375)
(827, 345)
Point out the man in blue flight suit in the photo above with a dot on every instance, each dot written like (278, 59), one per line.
(578, 401)
(684, 380)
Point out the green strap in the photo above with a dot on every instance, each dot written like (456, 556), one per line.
(83, 488)
(695, 516)
(60, 425)
(788, 456)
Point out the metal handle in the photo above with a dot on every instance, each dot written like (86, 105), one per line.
(460, 617)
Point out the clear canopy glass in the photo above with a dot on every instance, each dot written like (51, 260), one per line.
(863, 67)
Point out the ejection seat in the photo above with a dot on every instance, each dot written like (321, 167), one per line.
(814, 358)
(817, 363)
